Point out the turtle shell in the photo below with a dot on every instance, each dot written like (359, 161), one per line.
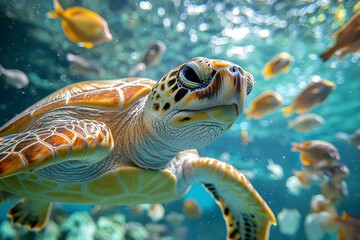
(111, 94)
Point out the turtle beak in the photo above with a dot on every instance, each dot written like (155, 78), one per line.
(232, 84)
(229, 86)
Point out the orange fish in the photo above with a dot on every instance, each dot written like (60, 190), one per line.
(347, 39)
(314, 94)
(349, 227)
(81, 25)
(316, 153)
(192, 209)
(264, 104)
(280, 62)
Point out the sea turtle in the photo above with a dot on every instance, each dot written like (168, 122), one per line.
(127, 141)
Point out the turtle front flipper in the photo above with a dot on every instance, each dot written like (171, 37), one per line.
(85, 140)
(33, 214)
(247, 215)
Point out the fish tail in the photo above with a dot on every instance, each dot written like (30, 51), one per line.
(340, 235)
(248, 114)
(295, 146)
(86, 44)
(328, 53)
(287, 111)
(343, 218)
(59, 11)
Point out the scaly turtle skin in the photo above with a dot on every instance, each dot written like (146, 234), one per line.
(126, 141)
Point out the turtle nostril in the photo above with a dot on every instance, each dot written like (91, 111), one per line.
(234, 69)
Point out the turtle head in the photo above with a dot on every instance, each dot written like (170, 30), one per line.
(200, 95)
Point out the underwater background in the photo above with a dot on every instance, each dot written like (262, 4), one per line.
(248, 33)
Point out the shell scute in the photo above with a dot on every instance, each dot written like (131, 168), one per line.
(111, 94)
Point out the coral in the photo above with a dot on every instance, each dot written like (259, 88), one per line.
(110, 228)
(78, 226)
(7, 231)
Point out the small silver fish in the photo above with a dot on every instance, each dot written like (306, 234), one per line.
(14, 77)
(353, 138)
(306, 122)
(82, 64)
(152, 57)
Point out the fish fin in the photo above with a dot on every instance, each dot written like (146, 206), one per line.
(59, 11)
(304, 156)
(33, 214)
(6, 197)
(249, 114)
(287, 111)
(286, 69)
(340, 235)
(345, 218)
(291, 124)
(305, 159)
(86, 44)
(328, 53)
(83, 11)
(53, 14)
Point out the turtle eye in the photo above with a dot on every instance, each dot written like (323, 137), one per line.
(189, 77)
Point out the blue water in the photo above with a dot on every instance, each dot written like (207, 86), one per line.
(37, 46)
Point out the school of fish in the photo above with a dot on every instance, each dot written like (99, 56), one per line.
(320, 160)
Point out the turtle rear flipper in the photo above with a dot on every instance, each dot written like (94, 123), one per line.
(85, 140)
(33, 214)
(246, 214)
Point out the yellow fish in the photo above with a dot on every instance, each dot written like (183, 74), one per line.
(314, 94)
(81, 25)
(280, 62)
(264, 104)
(316, 153)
